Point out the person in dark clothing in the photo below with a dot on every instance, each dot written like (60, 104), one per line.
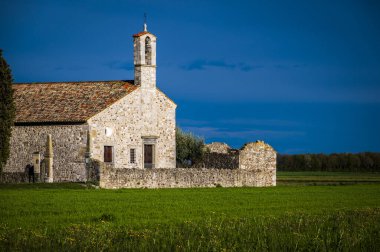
(27, 167)
(31, 172)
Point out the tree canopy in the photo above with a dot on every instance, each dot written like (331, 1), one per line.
(7, 110)
(190, 148)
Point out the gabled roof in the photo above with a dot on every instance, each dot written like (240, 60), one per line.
(56, 102)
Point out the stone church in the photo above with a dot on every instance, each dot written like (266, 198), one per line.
(125, 124)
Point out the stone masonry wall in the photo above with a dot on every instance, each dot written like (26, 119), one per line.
(228, 160)
(257, 167)
(143, 113)
(218, 147)
(69, 146)
(259, 157)
(145, 76)
(220, 156)
(114, 178)
(13, 177)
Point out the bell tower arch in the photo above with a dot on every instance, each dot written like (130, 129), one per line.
(144, 45)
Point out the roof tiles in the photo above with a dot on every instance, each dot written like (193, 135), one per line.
(141, 33)
(66, 101)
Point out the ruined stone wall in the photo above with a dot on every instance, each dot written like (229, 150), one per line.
(143, 113)
(69, 146)
(219, 156)
(215, 160)
(256, 167)
(259, 157)
(217, 147)
(114, 178)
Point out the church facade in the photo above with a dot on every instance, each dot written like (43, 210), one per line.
(125, 124)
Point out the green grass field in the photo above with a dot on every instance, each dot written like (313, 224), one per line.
(287, 217)
(326, 178)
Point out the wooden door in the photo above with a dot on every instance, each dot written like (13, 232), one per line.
(148, 155)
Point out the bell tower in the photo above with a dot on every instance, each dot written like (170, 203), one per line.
(144, 47)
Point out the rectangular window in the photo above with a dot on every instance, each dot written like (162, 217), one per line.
(108, 154)
(132, 156)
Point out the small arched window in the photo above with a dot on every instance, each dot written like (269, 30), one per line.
(148, 51)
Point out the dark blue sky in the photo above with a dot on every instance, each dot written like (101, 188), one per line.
(301, 75)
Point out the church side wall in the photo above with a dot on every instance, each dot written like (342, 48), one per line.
(69, 146)
(143, 113)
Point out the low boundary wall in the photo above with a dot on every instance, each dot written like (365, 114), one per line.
(256, 167)
(13, 177)
(114, 178)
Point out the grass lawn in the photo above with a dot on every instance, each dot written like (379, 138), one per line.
(291, 217)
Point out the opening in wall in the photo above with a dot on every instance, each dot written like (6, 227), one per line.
(149, 151)
(148, 51)
(148, 156)
(132, 156)
(108, 154)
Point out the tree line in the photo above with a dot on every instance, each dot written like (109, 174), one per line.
(191, 151)
(341, 162)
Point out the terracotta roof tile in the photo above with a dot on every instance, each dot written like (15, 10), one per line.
(141, 33)
(66, 101)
